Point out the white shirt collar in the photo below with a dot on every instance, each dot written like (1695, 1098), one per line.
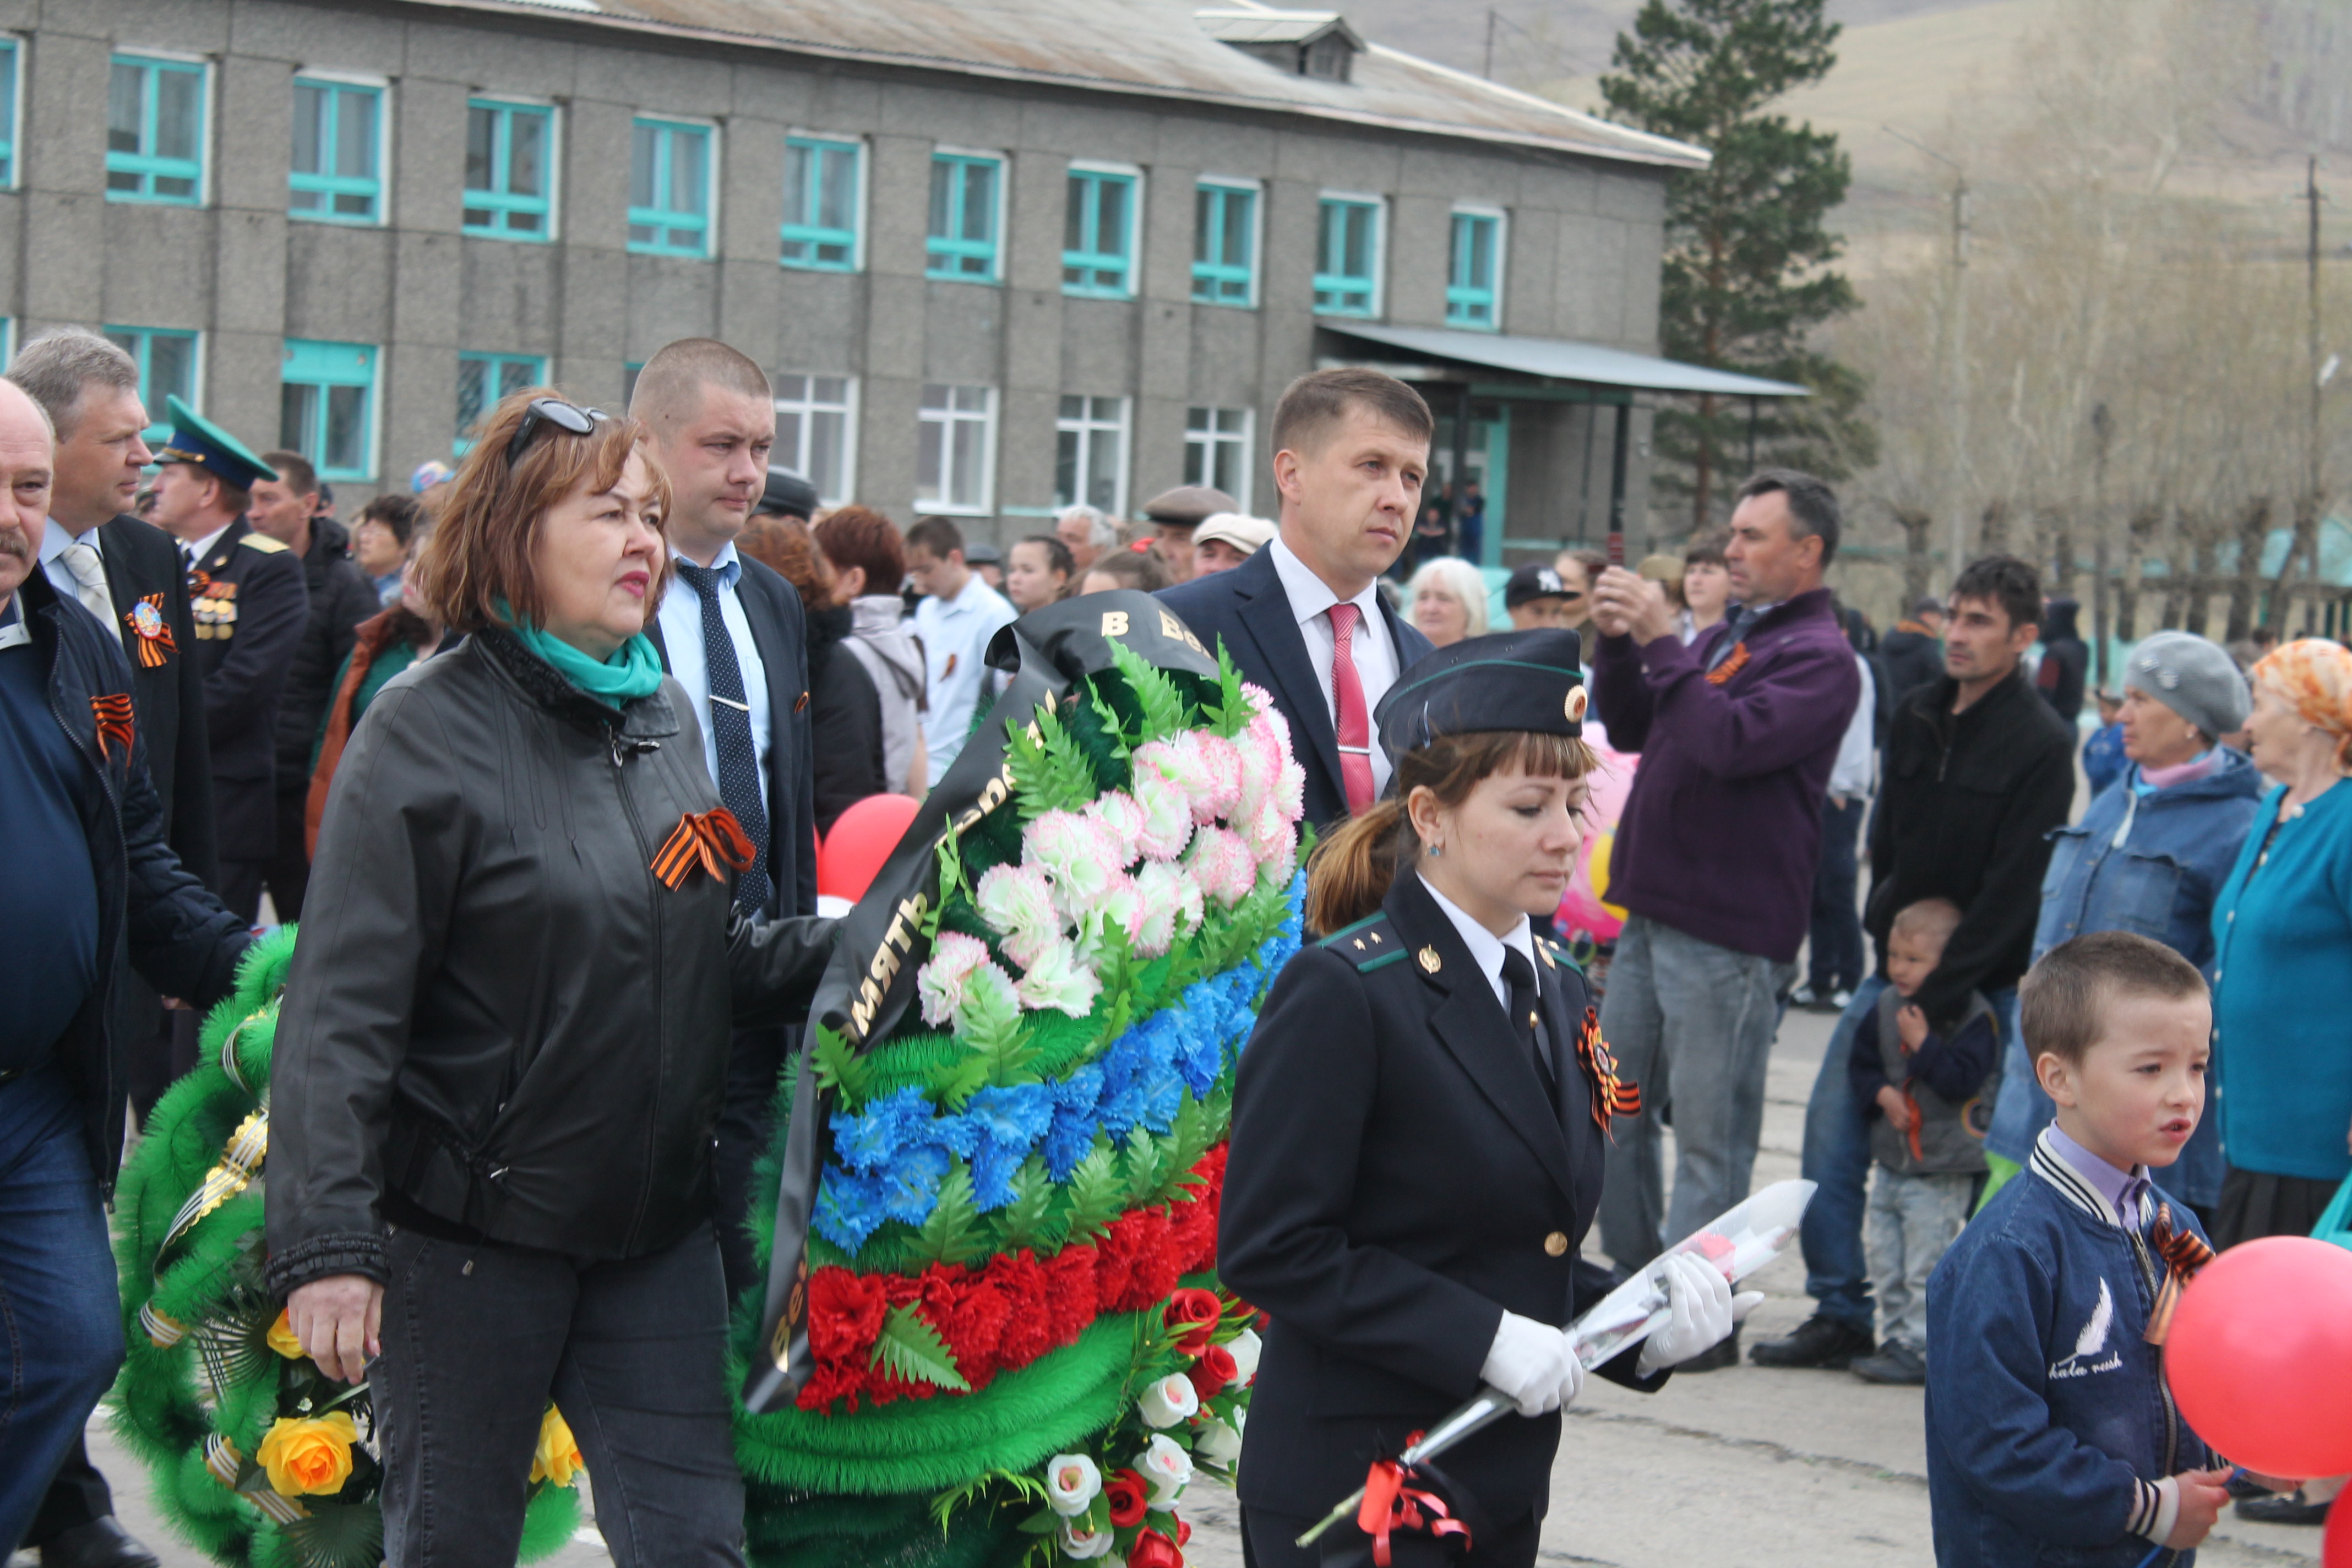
(14, 632)
(1486, 948)
(201, 548)
(54, 539)
(1310, 595)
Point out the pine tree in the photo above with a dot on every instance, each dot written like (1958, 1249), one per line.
(1748, 260)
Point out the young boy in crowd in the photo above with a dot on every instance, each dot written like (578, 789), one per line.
(2049, 1429)
(1918, 1086)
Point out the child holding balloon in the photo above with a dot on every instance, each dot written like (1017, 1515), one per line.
(2050, 1426)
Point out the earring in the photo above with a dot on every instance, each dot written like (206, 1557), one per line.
(1435, 850)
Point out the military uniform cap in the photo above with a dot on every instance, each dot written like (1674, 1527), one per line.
(1513, 680)
(1188, 506)
(197, 441)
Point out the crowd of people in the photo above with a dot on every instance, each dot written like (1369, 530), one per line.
(443, 739)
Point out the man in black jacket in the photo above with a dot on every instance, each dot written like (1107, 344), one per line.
(87, 888)
(2066, 660)
(1912, 654)
(1978, 770)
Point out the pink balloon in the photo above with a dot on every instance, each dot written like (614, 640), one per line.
(861, 840)
(2260, 1356)
(1580, 908)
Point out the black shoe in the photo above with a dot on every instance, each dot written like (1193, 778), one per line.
(2242, 1486)
(1820, 1342)
(1724, 1353)
(1898, 1364)
(2286, 1508)
(100, 1543)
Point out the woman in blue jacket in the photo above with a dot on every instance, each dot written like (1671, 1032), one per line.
(2149, 858)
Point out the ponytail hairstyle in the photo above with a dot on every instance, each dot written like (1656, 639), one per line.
(1350, 871)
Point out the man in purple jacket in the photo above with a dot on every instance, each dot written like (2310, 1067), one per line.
(1715, 850)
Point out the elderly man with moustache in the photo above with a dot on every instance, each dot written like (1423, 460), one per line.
(88, 889)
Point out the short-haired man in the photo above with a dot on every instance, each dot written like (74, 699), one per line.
(1176, 514)
(1087, 534)
(1536, 598)
(1715, 849)
(1978, 771)
(1912, 654)
(957, 616)
(286, 509)
(733, 634)
(87, 888)
(1302, 617)
(250, 607)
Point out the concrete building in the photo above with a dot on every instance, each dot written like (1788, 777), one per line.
(997, 254)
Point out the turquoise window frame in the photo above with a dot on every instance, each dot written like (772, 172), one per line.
(133, 173)
(954, 252)
(495, 369)
(661, 214)
(1091, 268)
(309, 426)
(139, 342)
(1223, 214)
(1474, 301)
(833, 168)
(501, 205)
(334, 190)
(1337, 291)
(11, 94)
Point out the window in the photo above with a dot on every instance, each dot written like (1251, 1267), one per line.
(1217, 450)
(964, 193)
(1225, 244)
(1090, 454)
(326, 406)
(669, 189)
(9, 57)
(167, 368)
(816, 422)
(1347, 257)
(1098, 234)
(955, 448)
(820, 203)
(1474, 287)
(155, 130)
(335, 175)
(510, 153)
(483, 380)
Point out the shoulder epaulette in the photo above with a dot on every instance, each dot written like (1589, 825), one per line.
(1369, 943)
(262, 542)
(1553, 952)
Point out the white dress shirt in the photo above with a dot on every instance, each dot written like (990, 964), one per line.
(1851, 777)
(1486, 948)
(55, 543)
(681, 627)
(200, 548)
(1373, 649)
(955, 634)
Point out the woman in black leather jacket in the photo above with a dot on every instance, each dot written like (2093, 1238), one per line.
(502, 1050)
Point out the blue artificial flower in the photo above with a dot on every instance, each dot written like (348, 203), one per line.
(1072, 1135)
(1008, 1123)
(848, 1208)
(910, 1188)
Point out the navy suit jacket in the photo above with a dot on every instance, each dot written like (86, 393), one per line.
(142, 561)
(780, 631)
(1248, 611)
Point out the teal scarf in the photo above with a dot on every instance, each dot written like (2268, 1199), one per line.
(634, 670)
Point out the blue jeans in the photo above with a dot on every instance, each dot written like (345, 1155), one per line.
(60, 1315)
(1837, 1159)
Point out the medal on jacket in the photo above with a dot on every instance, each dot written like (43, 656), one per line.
(113, 714)
(154, 633)
(1611, 1096)
(713, 840)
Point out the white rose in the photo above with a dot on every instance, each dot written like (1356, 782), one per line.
(1167, 1467)
(1171, 1399)
(1244, 1350)
(1072, 1481)
(1085, 1544)
(1217, 1443)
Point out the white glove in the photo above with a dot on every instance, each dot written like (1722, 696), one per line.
(1532, 1363)
(1704, 1309)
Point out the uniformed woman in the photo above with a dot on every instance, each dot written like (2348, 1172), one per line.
(1419, 1122)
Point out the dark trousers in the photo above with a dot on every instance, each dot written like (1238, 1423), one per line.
(755, 1062)
(287, 872)
(477, 1338)
(240, 887)
(1269, 1540)
(1836, 963)
(78, 1495)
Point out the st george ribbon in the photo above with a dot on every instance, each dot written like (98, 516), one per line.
(871, 978)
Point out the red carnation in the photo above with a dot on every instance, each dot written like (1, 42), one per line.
(1212, 1372)
(1128, 1497)
(1153, 1550)
(1196, 1312)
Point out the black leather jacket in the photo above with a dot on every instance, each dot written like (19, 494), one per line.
(497, 1010)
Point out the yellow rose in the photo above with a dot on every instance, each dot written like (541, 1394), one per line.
(308, 1454)
(282, 1339)
(558, 1457)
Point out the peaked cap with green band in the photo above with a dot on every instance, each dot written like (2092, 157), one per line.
(197, 440)
(1513, 680)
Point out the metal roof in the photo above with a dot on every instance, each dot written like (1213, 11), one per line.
(1263, 27)
(1556, 359)
(1152, 49)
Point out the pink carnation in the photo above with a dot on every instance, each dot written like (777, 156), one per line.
(1076, 853)
(941, 982)
(1290, 790)
(1167, 816)
(1222, 864)
(1119, 909)
(1221, 766)
(1017, 901)
(1260, 699)
(1117, 815)
(1172, 906)
(1058, 981)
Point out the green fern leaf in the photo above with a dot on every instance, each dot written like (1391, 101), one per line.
(1095, 1195)
(842, 1069)
(1028, 1220)
(1162, 704)
(1113, 725)
(1232, 712)
(1050, 771)
(911, 1348)
(951, 1234)
(959, 1080)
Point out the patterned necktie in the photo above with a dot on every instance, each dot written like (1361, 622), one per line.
(1527, 1015)
(1743, 621)
(88, 570)
(730, 727)
(1348, 696)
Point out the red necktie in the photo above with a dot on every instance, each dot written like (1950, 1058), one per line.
(1348, 696)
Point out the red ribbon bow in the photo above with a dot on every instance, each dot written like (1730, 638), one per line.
(114, 720)
(2183, 1255)
(1391, 1505)
(713, 840)
(1611, 1095)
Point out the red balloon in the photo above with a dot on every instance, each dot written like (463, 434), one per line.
(2335, 1547)
(861, 839)
(2260, 1356)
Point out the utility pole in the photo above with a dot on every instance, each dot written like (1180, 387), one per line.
(1956, 327)
(1488, 71)
(2102, 632)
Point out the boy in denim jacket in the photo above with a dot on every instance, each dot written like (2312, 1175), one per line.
(2051, 1434)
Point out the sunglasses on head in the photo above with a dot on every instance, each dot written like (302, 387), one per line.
(546, 413)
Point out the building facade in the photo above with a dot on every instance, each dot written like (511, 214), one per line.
(1046, 251)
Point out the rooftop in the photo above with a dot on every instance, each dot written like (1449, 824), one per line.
(1154, 48)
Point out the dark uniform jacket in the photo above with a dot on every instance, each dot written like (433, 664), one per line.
(1398, 1179)
(167, 682)
(341, 597)
(250, 607)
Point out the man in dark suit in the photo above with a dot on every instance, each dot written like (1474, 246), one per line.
(1302, 617)
(732, 633)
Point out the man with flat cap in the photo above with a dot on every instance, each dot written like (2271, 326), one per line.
(1176, 513)
(250, 605)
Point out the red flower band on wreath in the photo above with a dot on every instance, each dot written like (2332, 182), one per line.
(115, 720)
(713, 840)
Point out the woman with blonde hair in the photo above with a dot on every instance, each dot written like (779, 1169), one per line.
(1418, 1125)
(1448, 596)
